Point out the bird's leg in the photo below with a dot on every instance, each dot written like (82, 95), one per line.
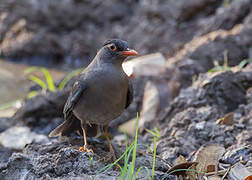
(111, 155)
(85, 146)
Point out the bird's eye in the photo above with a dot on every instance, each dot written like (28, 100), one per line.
(112, 47)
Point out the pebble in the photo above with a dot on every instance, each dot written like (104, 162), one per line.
(18, 136)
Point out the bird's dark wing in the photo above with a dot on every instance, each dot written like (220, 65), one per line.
(70, 120)
(129, 95)
(77, 90)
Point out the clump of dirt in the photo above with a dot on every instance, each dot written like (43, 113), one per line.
(190, 120)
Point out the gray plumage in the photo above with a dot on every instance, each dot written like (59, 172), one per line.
(100, 94)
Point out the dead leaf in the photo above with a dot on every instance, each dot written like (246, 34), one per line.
(150, 106)
(211, 168)
(208, 157)
(191, 174)
(249, 178)
(181, 159)
(228, 119)
(128, 127)
(148, 65)
(185, 165)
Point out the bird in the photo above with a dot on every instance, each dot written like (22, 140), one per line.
(100, 94)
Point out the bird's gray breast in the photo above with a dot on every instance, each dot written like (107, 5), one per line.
(105, 96)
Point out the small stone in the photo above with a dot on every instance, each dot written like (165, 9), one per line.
(233, 156)
(240, 126)
(119, 139)
(17, 137)
(200, 125)
(238, 171)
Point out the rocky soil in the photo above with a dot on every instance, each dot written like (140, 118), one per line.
(193, 108)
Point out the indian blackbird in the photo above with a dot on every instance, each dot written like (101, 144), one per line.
(99, 95)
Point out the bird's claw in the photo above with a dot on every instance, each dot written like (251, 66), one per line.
(85, 149)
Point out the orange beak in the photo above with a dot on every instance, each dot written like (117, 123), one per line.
(130, 52)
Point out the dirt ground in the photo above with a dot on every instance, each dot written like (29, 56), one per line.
(200, 100)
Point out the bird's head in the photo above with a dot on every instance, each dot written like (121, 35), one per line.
(115, 51)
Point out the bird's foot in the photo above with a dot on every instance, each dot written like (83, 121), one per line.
(85, 149)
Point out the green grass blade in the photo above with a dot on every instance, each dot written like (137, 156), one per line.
(129, 177)
(50, 84)
(154, 157)
(155, 136)
(112, 164)
(49, 79)
(128, 169)
(134, 150)
(31, 69)
(244, 62)
(148, 172)
(91, 161)
(32, 94)
(138, 171)
(69, 77)
(128, 157)
(151, 132)
(119, 167)
(216, 69)
(148, 147)
(157, 132)
(125, 167)
(38, 81)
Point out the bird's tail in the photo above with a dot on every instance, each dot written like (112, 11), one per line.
(58, 130)
(70, 125)
(73, 124)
